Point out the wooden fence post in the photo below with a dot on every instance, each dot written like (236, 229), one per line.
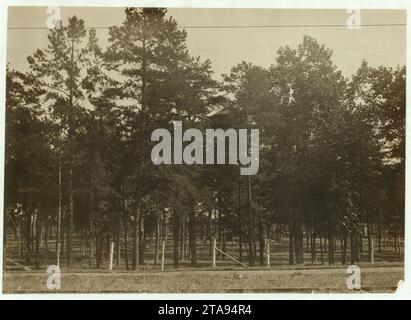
(267, 246)
(162, 255)
(213, 252)
(111, 254)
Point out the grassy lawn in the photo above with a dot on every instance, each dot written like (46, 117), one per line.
(83, 276)
(377, 279)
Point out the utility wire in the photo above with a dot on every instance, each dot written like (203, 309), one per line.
(244, 27)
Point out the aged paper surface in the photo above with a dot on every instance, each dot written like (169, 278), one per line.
(204, 150)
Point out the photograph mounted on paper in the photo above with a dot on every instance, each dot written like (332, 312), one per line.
(154, 150)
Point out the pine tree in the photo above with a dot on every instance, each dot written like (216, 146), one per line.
(60, 70)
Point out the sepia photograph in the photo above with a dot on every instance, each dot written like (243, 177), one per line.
(204, 150)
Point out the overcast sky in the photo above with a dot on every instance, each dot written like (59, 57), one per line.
(225, 47)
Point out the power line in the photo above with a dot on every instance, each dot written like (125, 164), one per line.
(292, 26)
(244, 26)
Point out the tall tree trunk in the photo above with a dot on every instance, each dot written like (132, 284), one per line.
(28, 236)
(19, 242)
(142, 102)
(107, 247)
(46, 234)
(118, 246)
(142, 240)
(250, 224)
(298, 239)
(223, 227)
(98, 251)
(219, 232)
(32, 236)
(331, 248)
(192, 236)
(157, 248)
(353, 248)
(291, 244)
(210, 228)
(261, 235)
(358, 239)
(90, 240)
(70, 219)
(38, 239)
(300, 244)
(344, 248)
(321, 249)
(63, 233)
(313, 246)
(176, 237)
(164, 228)
(125, 226)
(135, 255)
(91, 219)
(379, 237)
(370, 245)
(70, 214)
(182, 238)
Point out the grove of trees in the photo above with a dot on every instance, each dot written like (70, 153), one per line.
(78, 173)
